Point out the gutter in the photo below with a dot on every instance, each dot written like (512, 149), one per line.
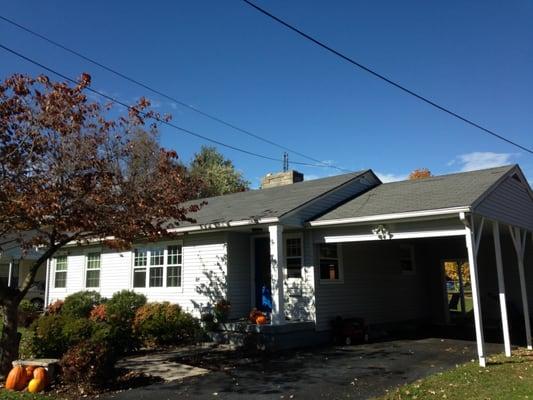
(392, 216)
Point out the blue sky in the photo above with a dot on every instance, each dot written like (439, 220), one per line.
(225, 58)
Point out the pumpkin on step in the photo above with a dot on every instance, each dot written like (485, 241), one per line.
(16, 379)
(40, 373)
(35, 385)
(261, 320)
(29, 372)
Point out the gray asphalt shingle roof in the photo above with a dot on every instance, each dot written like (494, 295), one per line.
(445, 191)
(266, 203)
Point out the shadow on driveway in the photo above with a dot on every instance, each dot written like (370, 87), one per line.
(355, 372)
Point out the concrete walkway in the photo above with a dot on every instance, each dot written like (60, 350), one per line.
(164, 365)
(355, 372)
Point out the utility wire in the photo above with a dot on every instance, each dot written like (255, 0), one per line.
(167, 96)
(384, 78)
(179, 128)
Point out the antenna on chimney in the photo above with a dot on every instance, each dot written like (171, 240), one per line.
(285, 162)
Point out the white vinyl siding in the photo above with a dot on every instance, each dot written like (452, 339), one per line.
(200, 275)
(510, 203)
(373, 287)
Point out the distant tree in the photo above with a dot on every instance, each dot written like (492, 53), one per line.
(217, 174)
(143, 155)
(420, 174)
(70, 173)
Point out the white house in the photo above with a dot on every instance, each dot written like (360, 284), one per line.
(346, 245)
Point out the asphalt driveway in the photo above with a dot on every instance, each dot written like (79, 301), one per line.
(354, 372)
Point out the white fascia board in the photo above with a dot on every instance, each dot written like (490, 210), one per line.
(197, 228)
(391, 217)
(230, 224)
(395, 236)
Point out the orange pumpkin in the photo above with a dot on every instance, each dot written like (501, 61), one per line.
(261, 320)
(16, 379)
(29, 372)
(40, 373)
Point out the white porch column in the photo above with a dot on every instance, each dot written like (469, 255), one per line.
(277, 273)
(472, 244)
(519, 241)
(10, 273)
(501, 288)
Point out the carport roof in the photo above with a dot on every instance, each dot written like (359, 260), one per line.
(439, 192)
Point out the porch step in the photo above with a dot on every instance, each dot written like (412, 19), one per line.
(270, 337)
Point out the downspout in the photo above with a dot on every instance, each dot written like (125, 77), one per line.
(47, 284)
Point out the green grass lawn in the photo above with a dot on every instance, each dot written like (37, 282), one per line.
(503, 378)
(9, 395)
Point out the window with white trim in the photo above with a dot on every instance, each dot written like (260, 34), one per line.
(293, 257)
(157, 267)
(407, 258)
(174, 263)
(330, 268)
(92, 272)
(60, 273)
(140, 262)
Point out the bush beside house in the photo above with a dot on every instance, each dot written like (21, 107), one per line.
(88, 333)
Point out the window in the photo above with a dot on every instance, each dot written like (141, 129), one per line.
(60, 278)
(293, 258)
(155, 261)
(140, 261)
(407, 259)
(329, 262)
(92, 278)
(174, 257)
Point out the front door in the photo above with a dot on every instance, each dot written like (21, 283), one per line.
(262, 268)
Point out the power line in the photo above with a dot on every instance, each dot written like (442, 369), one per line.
(179, 128)
(167, 96)
(384, 78)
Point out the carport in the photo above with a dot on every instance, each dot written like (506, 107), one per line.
(390, 241)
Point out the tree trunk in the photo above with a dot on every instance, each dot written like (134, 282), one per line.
(9, 342)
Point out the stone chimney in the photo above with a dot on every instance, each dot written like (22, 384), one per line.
(281, 179)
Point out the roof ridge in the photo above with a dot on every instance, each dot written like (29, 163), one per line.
(355, 175)
(436, 177)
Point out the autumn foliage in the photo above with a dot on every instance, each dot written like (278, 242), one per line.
(420, 174)
(66, 176)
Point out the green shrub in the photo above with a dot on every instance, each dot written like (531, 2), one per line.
(123, 306)
(189, 327)
(48, 339)
(26, 348)
(27, 313)
(27, 307)
(164, 323)
(89, 363)
(76, 330)
(80, 304)
(120, 311)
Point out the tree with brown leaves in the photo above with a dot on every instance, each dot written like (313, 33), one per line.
(420, 173)
(66, 177)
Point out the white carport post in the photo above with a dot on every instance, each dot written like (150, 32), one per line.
(501, 288)
(472, 245)
(519, 241)
(277, 273)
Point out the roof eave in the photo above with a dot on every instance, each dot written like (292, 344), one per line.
(409, 215)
